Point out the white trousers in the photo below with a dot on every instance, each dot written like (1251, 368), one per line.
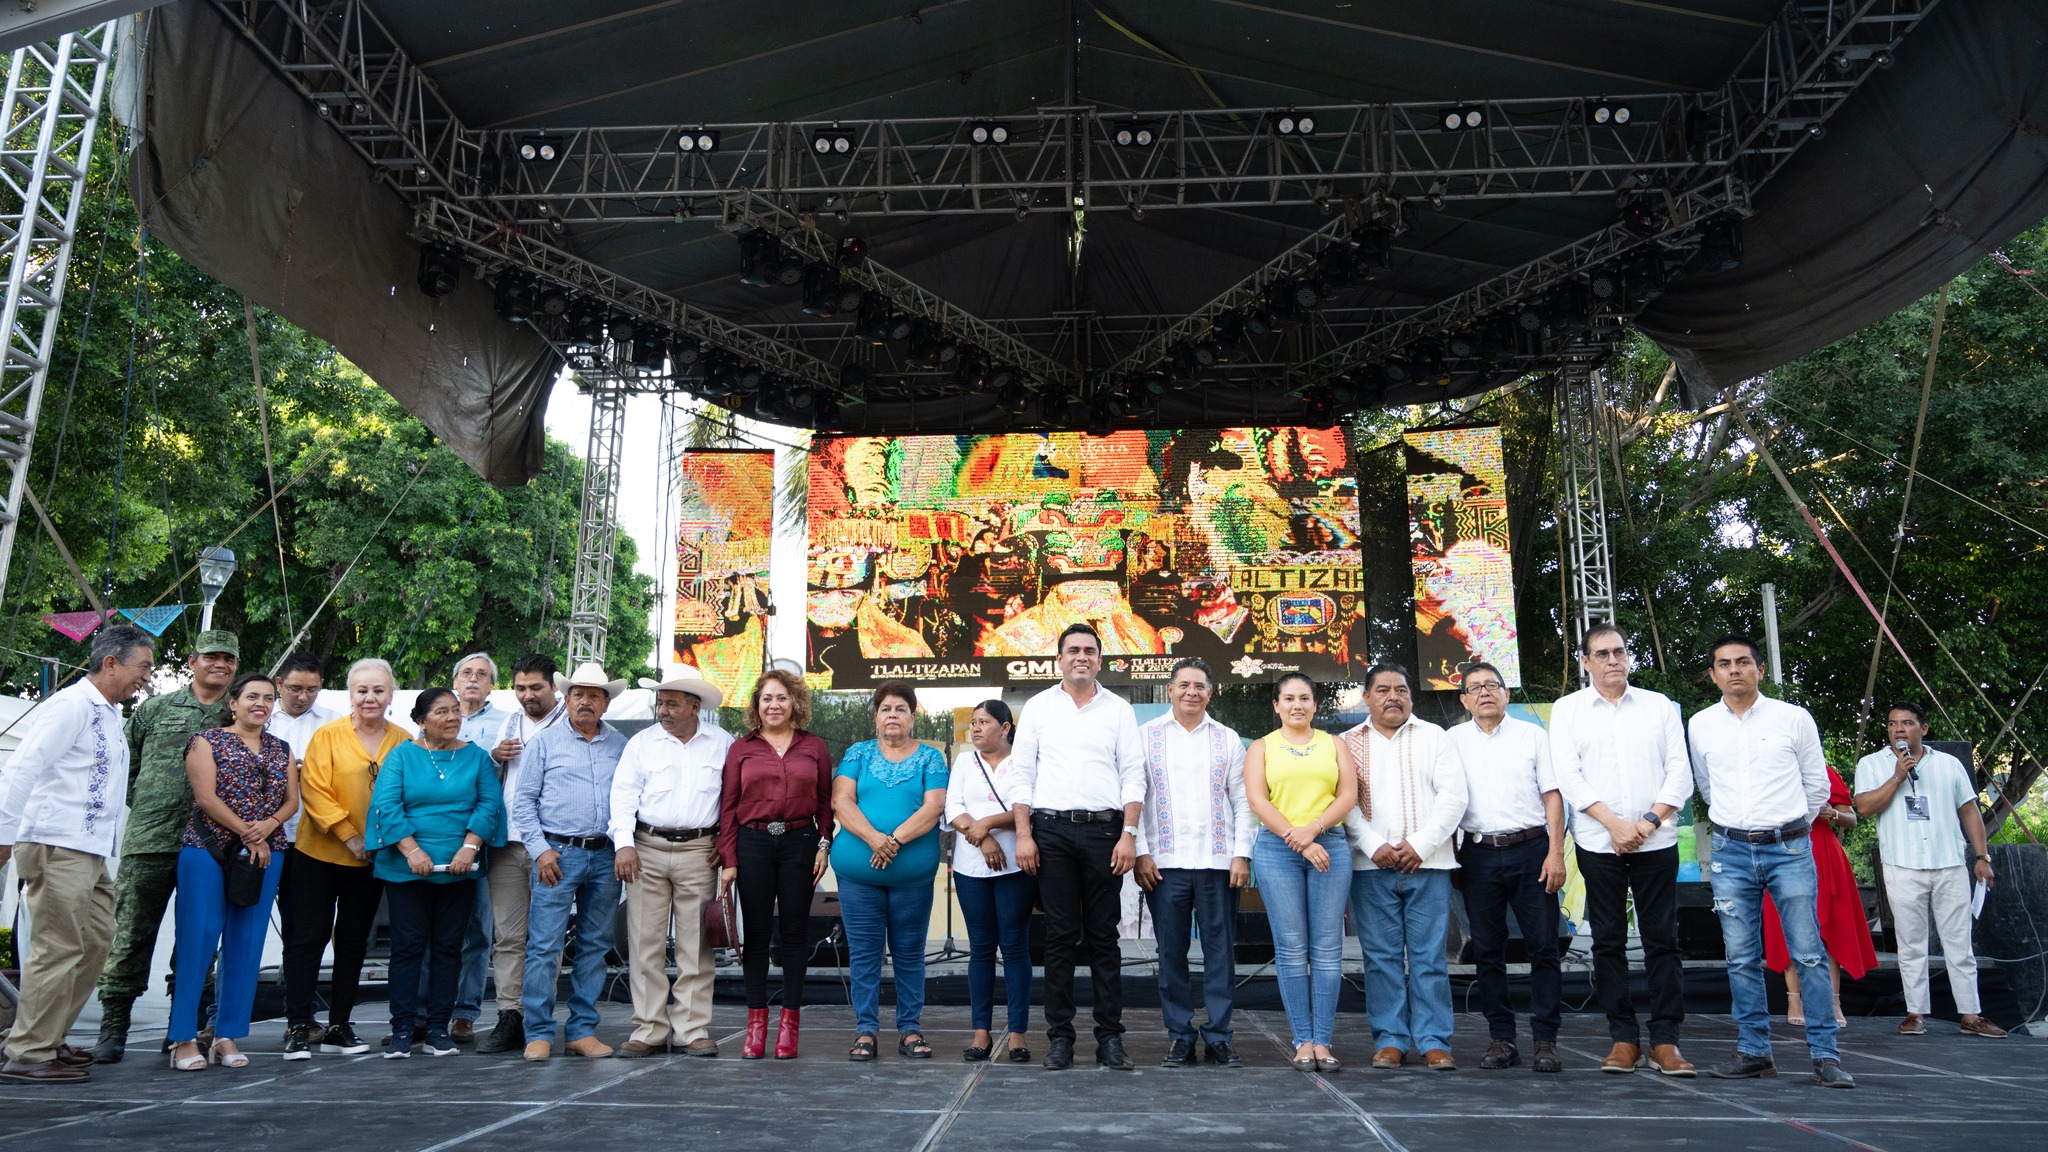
(1938, 900)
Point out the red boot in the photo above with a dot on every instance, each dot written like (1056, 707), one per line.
(785, 1033)
(756, 1043)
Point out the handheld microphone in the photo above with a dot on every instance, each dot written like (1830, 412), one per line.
(1912, 773)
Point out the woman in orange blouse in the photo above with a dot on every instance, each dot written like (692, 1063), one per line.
(333, 893)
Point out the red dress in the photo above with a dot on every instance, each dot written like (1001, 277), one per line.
(1839, 906)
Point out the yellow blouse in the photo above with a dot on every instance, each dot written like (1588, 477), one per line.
(335, 788)
(1301, 780)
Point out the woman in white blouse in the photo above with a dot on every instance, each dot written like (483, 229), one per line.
(995, 895)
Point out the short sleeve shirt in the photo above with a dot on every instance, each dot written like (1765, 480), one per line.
(252, 785)
(1920, 829)
(888, 791)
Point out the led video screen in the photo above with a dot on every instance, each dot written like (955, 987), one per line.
(959, 559)
(726, 521)
(1458, 543)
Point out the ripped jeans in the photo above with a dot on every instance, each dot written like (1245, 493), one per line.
(1741, 873)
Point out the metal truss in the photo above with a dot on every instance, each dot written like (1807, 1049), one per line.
(597, 528)
(1588, 557)
(47, 123)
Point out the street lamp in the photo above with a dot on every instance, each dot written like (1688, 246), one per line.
(216, 568)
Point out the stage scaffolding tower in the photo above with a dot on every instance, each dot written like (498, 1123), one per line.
(597, 529)
(1588, 560)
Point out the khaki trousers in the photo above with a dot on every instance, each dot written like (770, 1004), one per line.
(676, 880)
(511, 885)
(1928, 902)
(70, 901)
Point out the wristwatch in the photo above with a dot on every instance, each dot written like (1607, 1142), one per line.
(1655, 820)
(1131, 830)
(824, 842)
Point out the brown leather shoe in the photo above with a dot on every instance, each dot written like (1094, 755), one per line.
(538, 1051)
(590, 1048)
(1389, 1058)
(1438, 1060)
(43, 1072)
(83, 1058)
(701, 1046)
(1623, 1059)
(1972, 1026)
(1913, 1025)
(1665, 1058)
(638, 1050)
(462, 1031)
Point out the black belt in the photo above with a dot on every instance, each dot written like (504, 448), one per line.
(782, 827)
(1508, 839)
(675, 835)
(1769, 835)
(1079, 815)
(587, 843)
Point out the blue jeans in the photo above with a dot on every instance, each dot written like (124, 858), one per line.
(898, 916)
(1306, 910)
(589, 884)
(998, 912)
(476, 958)
(1741, 873)
(205, 924)
(1204, 896)
(1400, 918)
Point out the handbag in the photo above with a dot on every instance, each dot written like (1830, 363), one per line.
(721, 926)
(241, 876)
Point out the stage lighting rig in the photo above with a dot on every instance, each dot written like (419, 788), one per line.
(687, 354)
(1462, 345)
(440, 270)
(539, 149)
(554, 301)
(1721, 245)
(1015, 399)
(1207, 353)
(1228, 333)
(513, 296)
(1292, 123)
(1462, 118)
(1607, 113)
(697, 141)
(760, 257)
(1643, 216)
(831, 142)
(989, 132)
(852, 250)
(1258, 320)
(1604, 285)
(1643, 277)
(585, 324)
(650, 354)
(1134, 134)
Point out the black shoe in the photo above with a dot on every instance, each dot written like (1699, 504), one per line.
(113, 1039)
(1500, 1054)
(1023, 1056)
(1059, 1055)
(343, 1039)
(1546, 1057)
(1222, 1054)
(1179, 1054)
(297, 1046)
(1746, 1067)
(508, 1036)
(1829, 1074)
(1109, 1053)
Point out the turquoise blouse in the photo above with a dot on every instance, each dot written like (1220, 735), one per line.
(887, 792)
(436, 798)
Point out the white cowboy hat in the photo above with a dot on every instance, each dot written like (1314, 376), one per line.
(591, 675)
(683, 678)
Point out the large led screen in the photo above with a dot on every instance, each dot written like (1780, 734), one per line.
(726, 521)
(1458, 542)
(959, 559)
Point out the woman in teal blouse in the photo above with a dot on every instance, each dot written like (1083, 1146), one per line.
(436, 803)
(888, 794)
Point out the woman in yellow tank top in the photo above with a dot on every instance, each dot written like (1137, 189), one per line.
(1300, 783)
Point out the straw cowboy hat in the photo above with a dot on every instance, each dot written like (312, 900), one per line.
(683, 678)
(591, 675)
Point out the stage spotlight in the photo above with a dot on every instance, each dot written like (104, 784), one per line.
(1644, 279)
(873, 326)
(1463, 118)
(538, 149)
(1132, 134)
(440, 270)
(924, 346)
(1337, 266)
(586, 324)
(852, 250)
(1303, 292)
(687, 353)
(797, 398)
(1375, 249)
(1606, 113)
(1604, 284)
(1529, 318)
(1497, 346)
(789, 268)
(1318, 407)
(1721, 245)
(853, 381)
(1292, 123)
(831, 141)
(759, 255)
(513, 297)
(1155, 382)
(988, 132)
(1208, 353)
(1258, 321)
(748, 377)
(1642, 217)
(697, 140)
(650, 354)
(1014, 399)
(1463, 345)
(554, 301)
(1399, 372)
(1228, 332)
(948, 350)
(821, 292)
(1566, 313)
(899, 326)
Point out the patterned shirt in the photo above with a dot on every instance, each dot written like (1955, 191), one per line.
(159, 794)
(67, 784)
(1195, 813)
(251, 784)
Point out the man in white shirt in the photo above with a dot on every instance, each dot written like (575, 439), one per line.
(1194, 854)
(1619, 755)
(1080, 772)
(1411, 795)
(665, 818)
(475, 676)
(63, 796)
(1925, 805)
(1759, 767)
(535, 684)
(1513, 857)
(298, 716)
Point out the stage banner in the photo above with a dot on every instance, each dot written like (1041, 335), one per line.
(959, 559)
(725, 521)
(1458, 541)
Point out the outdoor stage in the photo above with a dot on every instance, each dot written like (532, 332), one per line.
(1914, 1091)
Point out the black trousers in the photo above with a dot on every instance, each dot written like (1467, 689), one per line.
(1652, 877)
(428, 920)
(329, 901)
(1082, 901)
(775, 888)
(1497, 880)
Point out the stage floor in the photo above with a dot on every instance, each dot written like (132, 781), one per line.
(1914, 1092)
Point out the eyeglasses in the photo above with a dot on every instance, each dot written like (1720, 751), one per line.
(1608, 654)
(1485, 687)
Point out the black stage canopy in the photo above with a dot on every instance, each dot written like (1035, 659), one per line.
(1785, 175)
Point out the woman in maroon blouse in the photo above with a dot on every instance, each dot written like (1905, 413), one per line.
(774, 837)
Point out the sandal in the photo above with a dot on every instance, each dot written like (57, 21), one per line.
(193, 1063)
(863, 1048)
(226, 1059)
(913, 1047)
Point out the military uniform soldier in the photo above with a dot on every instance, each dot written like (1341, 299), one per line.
(159, 802)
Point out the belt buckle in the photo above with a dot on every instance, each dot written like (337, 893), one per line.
(776, 827)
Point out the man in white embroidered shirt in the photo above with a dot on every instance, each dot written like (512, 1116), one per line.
(63, 795)
(1619, 755)
(1758, 765)
(1513, 857)
(1080, 774)
(1411, 795)
(1194, 854)
(665, 818)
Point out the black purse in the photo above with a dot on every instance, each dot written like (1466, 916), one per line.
(240, 874)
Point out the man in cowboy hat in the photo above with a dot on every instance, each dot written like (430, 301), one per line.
(561, 807)
(665, 822)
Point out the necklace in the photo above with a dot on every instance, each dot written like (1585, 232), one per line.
(440, 760)
(1302, 750)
